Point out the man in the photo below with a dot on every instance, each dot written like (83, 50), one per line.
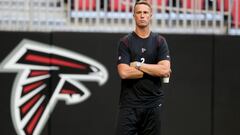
(143, 59)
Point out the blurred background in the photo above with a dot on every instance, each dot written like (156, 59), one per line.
(202, 97)
(170, 16)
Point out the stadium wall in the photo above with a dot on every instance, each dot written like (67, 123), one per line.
(202, 97)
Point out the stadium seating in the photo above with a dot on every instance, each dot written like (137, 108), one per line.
(88, 6)
(236, 13)
(123, 5)
(160, 3)
(113, 4)
(190, 5)
(225, 3)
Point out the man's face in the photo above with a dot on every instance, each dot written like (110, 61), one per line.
(142, 15)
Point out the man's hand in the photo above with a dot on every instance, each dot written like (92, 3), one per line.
(133, 64)
(161, 69)
(129, 72)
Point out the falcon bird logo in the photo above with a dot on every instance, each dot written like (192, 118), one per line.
(34, 95)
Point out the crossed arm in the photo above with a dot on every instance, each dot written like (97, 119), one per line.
(161, 69)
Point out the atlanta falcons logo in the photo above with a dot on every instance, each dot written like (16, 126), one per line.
(34, 96)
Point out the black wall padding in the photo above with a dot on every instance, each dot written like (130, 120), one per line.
(227, 86)
(188, 95)
(202, 97)
(97, 115)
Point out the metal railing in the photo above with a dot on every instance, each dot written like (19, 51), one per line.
(169, 16)
(32, 15)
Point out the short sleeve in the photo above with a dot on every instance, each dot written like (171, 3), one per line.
(163, 51)
(123, 52)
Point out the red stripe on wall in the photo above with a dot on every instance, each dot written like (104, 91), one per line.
(33, 122)
(53, 61)
(38, 73)
(66, 91)
(30, 87)
(30, 104)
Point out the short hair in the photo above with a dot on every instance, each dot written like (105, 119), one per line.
(145, 2)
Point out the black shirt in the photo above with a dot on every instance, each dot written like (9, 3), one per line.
(146, 91)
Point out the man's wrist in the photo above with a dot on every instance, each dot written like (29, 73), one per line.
(138, 65)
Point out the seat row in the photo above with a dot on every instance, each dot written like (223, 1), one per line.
(113, 5)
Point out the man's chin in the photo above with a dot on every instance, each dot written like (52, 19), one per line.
(142, 25)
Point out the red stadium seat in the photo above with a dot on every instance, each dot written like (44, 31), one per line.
(189, 4)
(159, 2)
(88, 6)
(122, 5)
(225, 4)
(236, 13)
